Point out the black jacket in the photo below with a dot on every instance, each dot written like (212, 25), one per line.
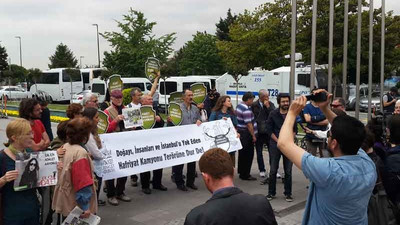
(261, 115)
(391, 174)
(275, 122)
(231, 206)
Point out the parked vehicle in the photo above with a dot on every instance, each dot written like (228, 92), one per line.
(375, 101)
(178, 84)
(275, 81)
(59, 83)
(14, 92)
(42, 95)
(100, 86)
(88, 75)
(78, 98)
(351, 101)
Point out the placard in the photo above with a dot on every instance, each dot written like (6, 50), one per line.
(135, 152)
(115, 83)
(148, 116)
(36, 169)
(102, 125)
(199, 92)
(152, 67)
(132, 117)
(175, 97)
(175, 113)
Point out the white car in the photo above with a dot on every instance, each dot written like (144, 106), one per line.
(78, 98)
(14, 92)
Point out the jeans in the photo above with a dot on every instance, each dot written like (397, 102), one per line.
(315, 148)
(190, 175)
(246, 155)
(30, 221)
(112, 190)
(275, 156)
(145, 178)
(261, 140)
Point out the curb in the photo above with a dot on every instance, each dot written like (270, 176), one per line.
(291, 209)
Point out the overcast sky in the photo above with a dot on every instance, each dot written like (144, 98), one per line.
(43, 24)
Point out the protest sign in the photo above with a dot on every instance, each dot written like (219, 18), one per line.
(115, 83)
(175, 97)
(199, 92)
(102, 125)
(152, 67)
(36, 169)
(148, 116)
(135, 152)
(175, 113)
(132, 117)
(73, 218)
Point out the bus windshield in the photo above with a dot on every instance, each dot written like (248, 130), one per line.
(170, 86)
(49, 78)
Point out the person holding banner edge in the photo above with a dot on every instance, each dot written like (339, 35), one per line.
(116, 124)
(22, 207)
(190, 115)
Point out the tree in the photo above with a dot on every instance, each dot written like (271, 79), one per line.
(223, 26)
(16, 74)
(200, 56)
(134, 44)
(33, 75)
(63, 58)
(3, 58)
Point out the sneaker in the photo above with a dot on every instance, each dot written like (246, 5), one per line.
(289, 198)
(124, 198)
(278, 175)
(101, 202)
(182, 187)
(192, 186)
(265, 181)
(113, 201)
(262, 174)
(270, 197)
(147, 191)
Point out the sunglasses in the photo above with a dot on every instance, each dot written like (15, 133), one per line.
(32, 164)
(335, 106)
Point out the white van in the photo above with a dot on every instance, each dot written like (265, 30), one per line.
(59, 84)
(178, 84)
(275, 81)
(213, 78)
(100, 87)
(88, 75)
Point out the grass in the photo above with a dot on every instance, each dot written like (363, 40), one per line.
(61, 107)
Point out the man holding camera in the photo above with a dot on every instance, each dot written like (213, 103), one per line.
(389, 101)
(340, 186)
(315, 121)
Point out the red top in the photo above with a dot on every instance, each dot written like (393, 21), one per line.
(37, 129)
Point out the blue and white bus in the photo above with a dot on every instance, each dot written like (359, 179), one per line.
(60, 83)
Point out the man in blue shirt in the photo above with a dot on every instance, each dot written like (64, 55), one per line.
(341, 186)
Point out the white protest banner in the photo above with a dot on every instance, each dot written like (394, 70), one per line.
(135, 152)
(36, 169)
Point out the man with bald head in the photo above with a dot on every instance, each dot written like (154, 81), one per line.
(261, 109)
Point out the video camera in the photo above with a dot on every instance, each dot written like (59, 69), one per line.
(317, 97)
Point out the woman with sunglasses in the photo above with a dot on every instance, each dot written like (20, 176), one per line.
(19, 207)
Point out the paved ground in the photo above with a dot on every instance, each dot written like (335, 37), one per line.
(171, 207)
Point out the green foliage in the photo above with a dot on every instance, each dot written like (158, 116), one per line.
(223, 26)
(3, 58)
(16, 74)
(134, 44)
(105, 74)
(34, 74)
(126, 93)
(63, 58)
(200, 56)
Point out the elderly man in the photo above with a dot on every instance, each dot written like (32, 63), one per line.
(90, 100)
(228, 204)
(261, 109)
(339, 103)
(397, 107)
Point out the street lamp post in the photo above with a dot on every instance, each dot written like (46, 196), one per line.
(98, 45)
(80, 60)
(20, 50)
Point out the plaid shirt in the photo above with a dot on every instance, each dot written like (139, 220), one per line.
(244, 116)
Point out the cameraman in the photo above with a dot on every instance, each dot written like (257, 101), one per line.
(340, 186)
(389, 101)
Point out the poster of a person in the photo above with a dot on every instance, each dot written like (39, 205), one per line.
(132, 117)
(37, 169)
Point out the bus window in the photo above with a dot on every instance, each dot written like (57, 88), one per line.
(170, 86)
(76, 76)
(132, 85)
(48, 78)
(98, 88)
(85, 77)
(148, 86)
(303, 79)
(96, 73)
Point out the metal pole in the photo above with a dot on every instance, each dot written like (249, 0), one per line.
(345, 42)
(80, 60)
(382, 51)
(331, 12)
(98, 44)
(357, 112)
(20, 50)
(313, 43)
(293, 49)
(371, 26)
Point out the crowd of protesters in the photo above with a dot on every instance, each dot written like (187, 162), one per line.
(354, 170)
